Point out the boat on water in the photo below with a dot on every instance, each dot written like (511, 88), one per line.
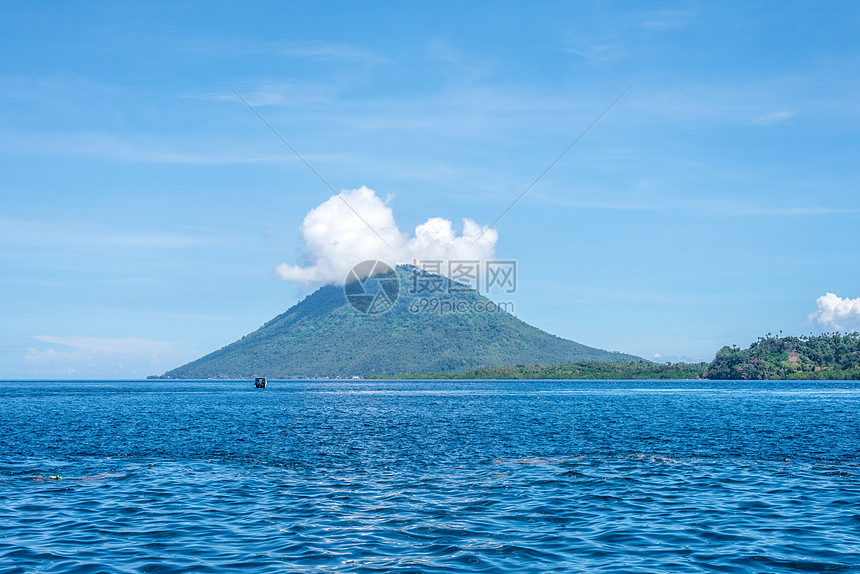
(260, 382)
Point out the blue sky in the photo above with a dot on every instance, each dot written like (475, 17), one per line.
(145, 209)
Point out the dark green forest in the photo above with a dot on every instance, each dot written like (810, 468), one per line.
(579, 370)
(829, 356)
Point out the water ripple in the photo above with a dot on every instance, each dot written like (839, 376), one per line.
(156, 477)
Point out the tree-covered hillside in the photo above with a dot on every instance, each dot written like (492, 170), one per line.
(831, 356)
(453, 330)
(580, 370)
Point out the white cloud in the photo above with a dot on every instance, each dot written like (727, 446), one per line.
(836, 313)
(336, 238)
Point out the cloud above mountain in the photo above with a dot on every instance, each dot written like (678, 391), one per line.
(837, 313)
(358, 225)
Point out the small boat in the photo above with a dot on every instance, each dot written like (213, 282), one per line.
(260, 382)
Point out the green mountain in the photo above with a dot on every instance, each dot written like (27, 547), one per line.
(400, 322)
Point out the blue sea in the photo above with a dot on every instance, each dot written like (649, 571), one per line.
(429, 476)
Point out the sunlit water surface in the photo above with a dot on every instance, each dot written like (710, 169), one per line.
(429, 476)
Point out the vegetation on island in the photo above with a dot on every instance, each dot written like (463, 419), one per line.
(579, 370)
(829, 356)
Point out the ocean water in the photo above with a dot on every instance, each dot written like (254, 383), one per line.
(429, 476)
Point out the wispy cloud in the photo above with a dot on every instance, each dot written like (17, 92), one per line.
(315, 50)
(107, 345)
(60, 92)
(111, 356)
(139, 149)
(794, 211)
(713, 205)
(596, 48)
(742, 101)
(325, 51)
(64, 235)
(273, 92)
(703, 102)
(614, 43)
(666, 19)
(774, 118)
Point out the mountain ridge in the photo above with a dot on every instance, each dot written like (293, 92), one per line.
(325, 336)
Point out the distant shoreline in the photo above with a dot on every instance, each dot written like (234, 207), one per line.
(832, 356)
(375, 378)
(584, 370)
